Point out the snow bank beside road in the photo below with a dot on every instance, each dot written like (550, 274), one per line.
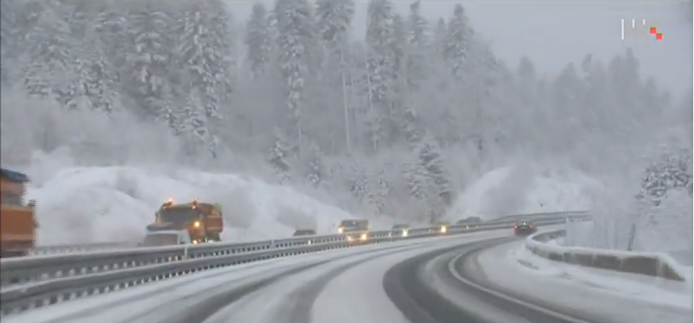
(523, 189)
(616, 297)
(104, 204)
(652, 289)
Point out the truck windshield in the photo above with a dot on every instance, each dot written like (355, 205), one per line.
(155, 240)
(351, 223)
(178, 215)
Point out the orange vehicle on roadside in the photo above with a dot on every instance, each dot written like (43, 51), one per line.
(203, 221)
(18, 219)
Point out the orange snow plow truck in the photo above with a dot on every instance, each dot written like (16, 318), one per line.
(18, 221)
(202, 220)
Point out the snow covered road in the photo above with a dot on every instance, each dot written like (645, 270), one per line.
(258, 292)
(421, 281)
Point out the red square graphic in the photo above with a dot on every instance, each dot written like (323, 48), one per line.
(659, 36)
(654, 30)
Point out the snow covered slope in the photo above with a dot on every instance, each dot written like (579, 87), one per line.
(108, 204)
(524, 189)
(105, 204)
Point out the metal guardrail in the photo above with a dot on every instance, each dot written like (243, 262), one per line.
(110, 246)
(537, 216)
(40, 281)
(76, 248)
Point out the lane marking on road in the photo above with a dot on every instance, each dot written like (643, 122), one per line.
(452, 269)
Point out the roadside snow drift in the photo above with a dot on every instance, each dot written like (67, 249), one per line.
(619, 297)
(111, 204)
(522, 189)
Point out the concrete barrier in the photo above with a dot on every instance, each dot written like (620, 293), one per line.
(643, 263)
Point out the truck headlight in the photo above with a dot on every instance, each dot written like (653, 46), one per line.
(340, 230)
(363, 236)
(443, 229)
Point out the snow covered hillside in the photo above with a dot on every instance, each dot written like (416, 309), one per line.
(524, 189)
(403, 132)
(103, 204)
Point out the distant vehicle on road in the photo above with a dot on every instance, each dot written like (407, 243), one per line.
(442, 226)
(524, 228)
(355, 229)
(304, 232)
(399, 230)
(470, 220)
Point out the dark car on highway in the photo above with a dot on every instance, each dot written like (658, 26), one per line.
(524, 228)
(470, 222)
(304, 232)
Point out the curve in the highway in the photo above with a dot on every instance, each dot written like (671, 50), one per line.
(445, 286)
(196, 298)
(286, 298)
(421, 281)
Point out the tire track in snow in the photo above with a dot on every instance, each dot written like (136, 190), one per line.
(202, 311)
(273, 304)
(301, 300)
(212, 301)
(172, 294)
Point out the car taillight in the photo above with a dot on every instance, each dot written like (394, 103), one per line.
(515, 227)
(530, 226)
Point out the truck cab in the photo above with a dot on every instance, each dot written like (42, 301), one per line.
(18, 227)
(203, 221)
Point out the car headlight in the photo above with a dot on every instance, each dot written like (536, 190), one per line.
(404, 233)
(340, 230)
(363, 236)
(309, 242)
(443, 229)
(349, 238)
(196, 224)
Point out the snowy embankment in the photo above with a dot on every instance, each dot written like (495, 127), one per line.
(642, 287)
(579, 232)
(620, 296)
(108, 204)
(523, 189)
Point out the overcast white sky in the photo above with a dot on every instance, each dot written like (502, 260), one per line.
(555, 32)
